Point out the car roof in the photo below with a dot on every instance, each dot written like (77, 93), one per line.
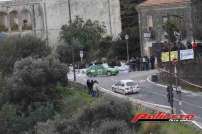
(126, 81)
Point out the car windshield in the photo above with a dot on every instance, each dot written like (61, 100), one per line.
(130, 84)
(92, 67)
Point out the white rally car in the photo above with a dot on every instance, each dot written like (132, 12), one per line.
(126, 87)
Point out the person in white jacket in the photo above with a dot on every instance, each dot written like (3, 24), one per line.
(95, 89)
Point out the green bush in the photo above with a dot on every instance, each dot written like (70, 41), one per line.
(64, 53)
(113, 127)
(18, 47)
(68, 127)
(12, 123)
(34, 80)
(94, 119)
(113, 109)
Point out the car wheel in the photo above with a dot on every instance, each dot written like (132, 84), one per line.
(108, 73)
(90, 75)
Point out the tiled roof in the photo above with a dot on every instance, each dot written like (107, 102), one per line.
(162, 2)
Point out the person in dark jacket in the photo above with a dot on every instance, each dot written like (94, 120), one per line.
(138, 63)
(146, 63)
(152, 61)
(89, 84)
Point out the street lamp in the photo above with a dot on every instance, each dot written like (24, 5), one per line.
(72, 47)
(126, 38)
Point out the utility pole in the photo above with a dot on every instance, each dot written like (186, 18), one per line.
(178, 90)
(170, 81)
(170, 67)
(72, 47)
(177, 65)
(128, 57)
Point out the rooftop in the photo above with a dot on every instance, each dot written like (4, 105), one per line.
(163, 2)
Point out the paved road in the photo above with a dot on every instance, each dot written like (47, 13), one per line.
(191, 102)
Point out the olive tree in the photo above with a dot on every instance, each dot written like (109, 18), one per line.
(87, 33)
(34, 80)
(17, 47)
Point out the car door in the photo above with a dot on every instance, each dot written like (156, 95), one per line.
(99, 70)
(122, 88)
(93, 70)
(117, 85)
(104, 70)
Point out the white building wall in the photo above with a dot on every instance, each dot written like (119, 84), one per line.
(104, 11)
(48, 16)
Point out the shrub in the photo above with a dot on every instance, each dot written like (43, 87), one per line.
(34, 80)
(113, 127)
(64, 53)
(17, 47)
(105, 116)
(68, 127)
(113, 109)
(12, 123)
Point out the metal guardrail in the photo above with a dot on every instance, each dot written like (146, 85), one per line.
(151, 106)
(185, 81)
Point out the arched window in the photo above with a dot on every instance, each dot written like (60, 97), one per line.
(3, 21)
(26, 20)
(14, 21)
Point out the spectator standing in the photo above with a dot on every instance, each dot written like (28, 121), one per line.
(146, 63)
(143, 63)
(189, 45)
(89, 86)
(152, 61)
(95, 89)
(138, 64)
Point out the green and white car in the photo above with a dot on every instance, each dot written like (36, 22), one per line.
(100, 70)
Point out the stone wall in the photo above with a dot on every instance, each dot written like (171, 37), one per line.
(48, 16)
(104, 11)
(19, 11)
(197, 19)
(157, 13)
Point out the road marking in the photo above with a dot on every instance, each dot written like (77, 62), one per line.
(191, 104)
(194, 122)
(148, 104)
(174, 98)
(137, 101)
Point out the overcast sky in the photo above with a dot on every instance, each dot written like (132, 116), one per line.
(5, 0)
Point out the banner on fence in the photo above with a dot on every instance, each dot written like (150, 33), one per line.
(187, 54)
(165, 56)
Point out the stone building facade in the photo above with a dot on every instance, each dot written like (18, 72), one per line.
(44, 18)
(153, 14)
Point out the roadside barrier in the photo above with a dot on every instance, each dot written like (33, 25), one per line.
(185, 81)
(155, 107)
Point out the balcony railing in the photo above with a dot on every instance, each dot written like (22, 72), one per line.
(3, 28)
(14, 27)
(26, 27)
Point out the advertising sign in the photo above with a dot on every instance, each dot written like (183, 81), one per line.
(81, 54)
(165, 56)
(186, 54)
(162, 117)
(147, 35)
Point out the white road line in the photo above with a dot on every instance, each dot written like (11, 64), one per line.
(174, 98)
(148, 104)
(164, 86)
(194, 122)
